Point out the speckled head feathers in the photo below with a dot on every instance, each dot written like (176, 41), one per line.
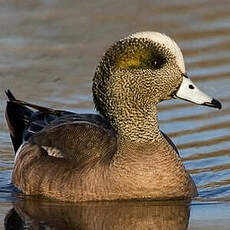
(135, 74)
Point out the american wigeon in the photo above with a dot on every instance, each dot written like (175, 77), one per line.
(119, 153)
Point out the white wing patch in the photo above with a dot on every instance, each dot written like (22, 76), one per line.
(53, 151)
(166, 41)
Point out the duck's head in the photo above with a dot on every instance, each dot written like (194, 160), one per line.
(140, 71)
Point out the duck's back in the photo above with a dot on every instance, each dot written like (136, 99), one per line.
(77, 137)
(77, 140)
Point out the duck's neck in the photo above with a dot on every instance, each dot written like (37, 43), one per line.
(138, 126)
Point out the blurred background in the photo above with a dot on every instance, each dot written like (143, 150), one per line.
(49, 50)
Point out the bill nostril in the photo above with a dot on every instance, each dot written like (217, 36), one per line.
(191, 87)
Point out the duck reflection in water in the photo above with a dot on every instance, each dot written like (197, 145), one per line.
(41, 214)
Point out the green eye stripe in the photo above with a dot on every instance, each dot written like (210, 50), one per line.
(139, 56)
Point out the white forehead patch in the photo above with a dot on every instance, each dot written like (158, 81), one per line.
(166, 41)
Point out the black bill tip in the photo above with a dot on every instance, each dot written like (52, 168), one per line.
(214, 103)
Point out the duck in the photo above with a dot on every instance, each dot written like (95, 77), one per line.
(119, 153)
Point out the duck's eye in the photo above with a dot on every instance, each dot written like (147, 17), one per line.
(157, 62)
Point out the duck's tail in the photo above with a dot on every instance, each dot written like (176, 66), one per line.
(17, 117)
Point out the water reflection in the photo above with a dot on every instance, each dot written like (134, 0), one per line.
(40, 214)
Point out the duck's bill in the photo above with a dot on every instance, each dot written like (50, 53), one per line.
(189, 92)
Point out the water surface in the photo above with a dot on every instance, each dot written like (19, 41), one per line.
(48, 53)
